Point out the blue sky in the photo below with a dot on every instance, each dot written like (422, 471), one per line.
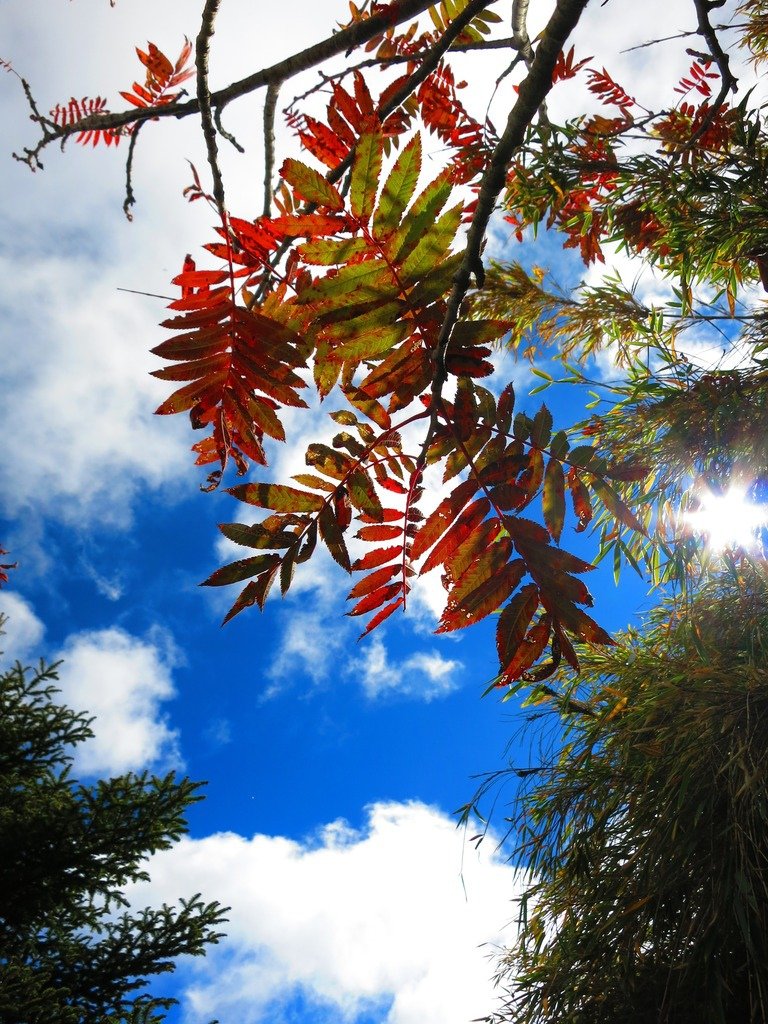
(333, 767)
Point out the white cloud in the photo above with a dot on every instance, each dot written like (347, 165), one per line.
(22, 631)
(309, 649)
(121, 680)
(395, 919)
(424, 675)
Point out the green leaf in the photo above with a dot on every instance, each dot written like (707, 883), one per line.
(615, 505)
(330, 251)
(374, 343)
(278, 497)
(353, 283)
(398, 189)
(311, 185)
(421, 217)
(433, 244)
(364, 181)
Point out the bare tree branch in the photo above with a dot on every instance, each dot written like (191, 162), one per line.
(338, 43)
(270, 103)
(720, 57)
(202, 50)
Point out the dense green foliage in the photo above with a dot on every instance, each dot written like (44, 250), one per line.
(72, 950)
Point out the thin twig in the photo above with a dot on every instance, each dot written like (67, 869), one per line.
(224, 133)
(720, 57)
(338, 43)
(130, 198)
(202, 50)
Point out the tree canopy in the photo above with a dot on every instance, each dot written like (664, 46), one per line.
(352, 276)
(72, 949)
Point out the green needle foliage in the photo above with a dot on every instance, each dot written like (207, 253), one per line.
(71, 949)
(647, 833)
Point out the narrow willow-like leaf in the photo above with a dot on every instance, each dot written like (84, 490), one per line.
(614, 504)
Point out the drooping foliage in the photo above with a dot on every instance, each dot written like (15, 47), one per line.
(71, 948)
(646, 830)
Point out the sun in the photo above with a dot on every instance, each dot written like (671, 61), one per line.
(728, 520)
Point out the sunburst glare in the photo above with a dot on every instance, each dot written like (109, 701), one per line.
(728, 520)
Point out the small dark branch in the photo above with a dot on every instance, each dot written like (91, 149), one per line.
(130, 198)
(427, 66)
(507, 43)
(720, 57)
(533, 91)
(224, 133)
(270, 104)
(338, 43)
(49, 129)
(202, 50)
(568, 703)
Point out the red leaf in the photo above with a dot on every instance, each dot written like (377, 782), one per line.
(483, 600)
(377, 557)
(374, 580)
(379, 532)
(379, 617)
(453, 537)
(514, 621)
(529, 651)
(376, 598)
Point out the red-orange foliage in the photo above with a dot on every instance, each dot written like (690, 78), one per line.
(358, 284)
